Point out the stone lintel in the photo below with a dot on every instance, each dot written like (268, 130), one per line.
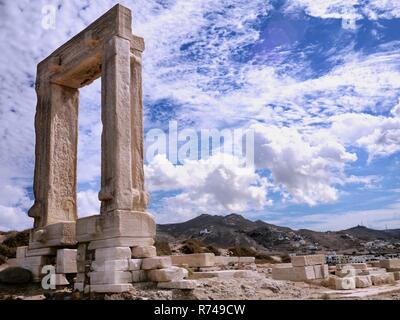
(137, 43)
(77, 62)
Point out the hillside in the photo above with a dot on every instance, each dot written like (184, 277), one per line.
(235, 230)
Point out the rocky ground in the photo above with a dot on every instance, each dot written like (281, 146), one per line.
(261, 288)
(208, 289)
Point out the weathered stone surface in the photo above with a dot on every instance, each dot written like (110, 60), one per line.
(21, 252)
(225, 274)
(206, 269)
(167, 274)
(396, 275)
(66, 261)
(55, 165)
(81, 252)
(374, 271)
(347, 283)
(360, 266)
(156, 263)
(41, 252)
(180, 284)
(110, 277)
(15, 275)
(346, 271)
(108, 49)
(120, 242)
(363, 281)
(283, 272)
(144, 252)
(116, 253)
(116, 171)
(111, 288)
(33, 261)
(304, 273)
(53, 235)
(310, 260)
(390, 263)
(223, 261)
(194, 260)
(380, 279)
(139, 226)
(135, 264)
(110, 265)
(294, 273)
(247, 260)
(139, 276)
(321, 271)
(61, 280)
(375, 264)
(73, 65)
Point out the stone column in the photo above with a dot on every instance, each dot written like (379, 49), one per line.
(56, 126)
(123, 220)
(140, 199)
(116, 169)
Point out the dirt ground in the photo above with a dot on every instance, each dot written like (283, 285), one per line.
(208, 289)
(260, 288)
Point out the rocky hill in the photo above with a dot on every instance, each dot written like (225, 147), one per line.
(235, 230)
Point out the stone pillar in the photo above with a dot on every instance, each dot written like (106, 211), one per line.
(116, 176)
(123, 220)
(56, 126)
(140, 199)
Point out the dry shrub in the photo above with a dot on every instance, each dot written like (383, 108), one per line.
(17, 239)
(197, 246)
(247, 252)
(163, 248)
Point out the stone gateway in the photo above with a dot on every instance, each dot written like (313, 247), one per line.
(96, 251)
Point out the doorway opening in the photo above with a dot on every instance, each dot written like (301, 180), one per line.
(89, 150)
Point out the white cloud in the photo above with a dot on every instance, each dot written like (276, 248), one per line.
(388, 216)
(14, 205)
(88, 203)
(378, 135)
(14, 218)
(219, 184)
(305, 168)
(347, 9)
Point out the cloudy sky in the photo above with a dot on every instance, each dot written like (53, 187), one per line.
(317, 82)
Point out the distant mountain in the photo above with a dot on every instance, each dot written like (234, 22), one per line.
(235, 230)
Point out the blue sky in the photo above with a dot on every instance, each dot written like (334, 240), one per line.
(317, 81)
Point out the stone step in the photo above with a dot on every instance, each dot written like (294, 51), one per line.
(225, 274)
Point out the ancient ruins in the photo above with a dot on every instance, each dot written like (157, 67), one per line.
(107, 49)
(112, 251)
